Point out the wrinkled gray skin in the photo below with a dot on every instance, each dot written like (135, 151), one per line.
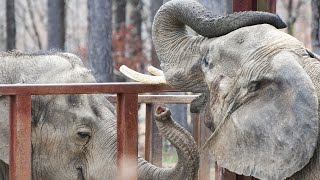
(74, 136)
(260, 88)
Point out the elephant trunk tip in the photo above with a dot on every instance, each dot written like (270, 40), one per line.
(162, 114)
(160, 110)
(280, 24)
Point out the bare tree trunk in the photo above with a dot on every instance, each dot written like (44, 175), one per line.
(293, 13)
(229, 6)
(56, 24)
(2, 38)
(135, 18)
(217, 7)
(134, 44)
(99, 39)
(33, 22)
(291, 18)
(11, 25)
(315, 34)
(120, 17)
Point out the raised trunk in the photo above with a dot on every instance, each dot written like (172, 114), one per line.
(173, 44)
(188, 155)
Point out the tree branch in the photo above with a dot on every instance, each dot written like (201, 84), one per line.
(36, 32)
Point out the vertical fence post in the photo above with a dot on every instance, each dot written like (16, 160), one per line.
(148, 135)
(201, 133)
(127, 136)
(153, 142)
(195, 119)
(20, 137)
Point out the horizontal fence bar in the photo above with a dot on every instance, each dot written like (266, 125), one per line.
(81, 88)
(162, 99)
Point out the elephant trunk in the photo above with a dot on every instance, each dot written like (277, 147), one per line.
(173, 44)
(187, 150)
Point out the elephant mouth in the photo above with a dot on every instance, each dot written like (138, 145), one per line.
(80, 175)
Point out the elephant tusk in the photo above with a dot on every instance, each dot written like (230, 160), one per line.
(155, 71)
(143, 78)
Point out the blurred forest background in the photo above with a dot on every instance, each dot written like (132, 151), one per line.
(109, 33)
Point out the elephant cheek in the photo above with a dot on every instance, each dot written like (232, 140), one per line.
(256, 117)
(256, 125)
(101, 156)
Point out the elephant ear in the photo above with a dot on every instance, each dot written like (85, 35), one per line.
(274, 135)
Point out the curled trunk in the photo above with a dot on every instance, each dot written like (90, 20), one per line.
(188, 154)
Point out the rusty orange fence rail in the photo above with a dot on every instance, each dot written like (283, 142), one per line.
(127, 128)
(20, 118)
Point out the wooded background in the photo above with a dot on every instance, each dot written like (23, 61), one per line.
(109, 33)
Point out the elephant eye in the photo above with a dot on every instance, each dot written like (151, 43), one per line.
(254, 86)
(84, 133)
(205, 62)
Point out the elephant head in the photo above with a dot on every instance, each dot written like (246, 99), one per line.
(260, 102)
(74, 136)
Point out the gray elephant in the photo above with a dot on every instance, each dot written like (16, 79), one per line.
(260, 88)
(74, 136)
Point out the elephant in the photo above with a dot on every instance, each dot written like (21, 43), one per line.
(74, 136)
(259, 87)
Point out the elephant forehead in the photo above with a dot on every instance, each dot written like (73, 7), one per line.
(254, 42)
(68, 108)
(247, 49)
